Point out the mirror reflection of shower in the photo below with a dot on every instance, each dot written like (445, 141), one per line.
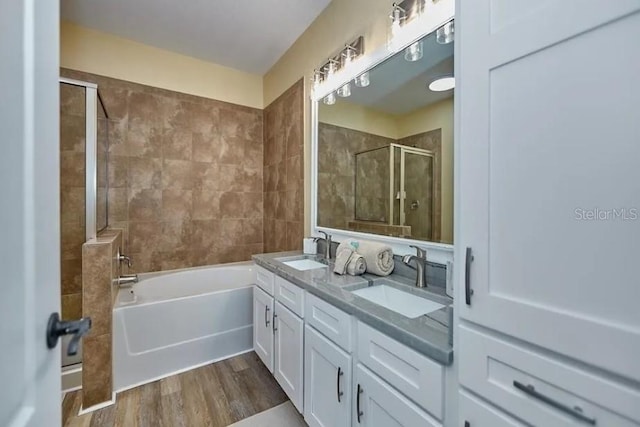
(394, 185)
(84, 149)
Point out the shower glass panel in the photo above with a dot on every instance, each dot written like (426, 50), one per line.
(417, 209)
(372, 185)
(102, 168)
(394, 186)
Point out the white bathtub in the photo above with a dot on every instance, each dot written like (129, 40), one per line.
(180, 320)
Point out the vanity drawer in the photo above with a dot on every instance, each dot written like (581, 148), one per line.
(290, 295)
(473, 412)
(334, 323)
(539, 389)
(265, 279)
(413, 374)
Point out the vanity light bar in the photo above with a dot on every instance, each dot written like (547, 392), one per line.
(339, 60)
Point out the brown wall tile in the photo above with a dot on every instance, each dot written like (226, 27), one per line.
(97, 382)
(283, 171)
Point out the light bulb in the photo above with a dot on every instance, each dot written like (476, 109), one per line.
(344, 90)
(331, 68)
(362, 80)
(445, 34)
(414, 52)
(330, 99)
(317, 77)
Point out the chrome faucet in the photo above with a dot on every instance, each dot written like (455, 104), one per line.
(421, 265)
(127, 279)
(124, 258)
(327, 249)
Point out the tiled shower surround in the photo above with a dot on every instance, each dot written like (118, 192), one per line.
(186, 174)
(283, 171)
(72, 197)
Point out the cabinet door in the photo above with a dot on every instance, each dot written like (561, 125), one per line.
(262, 326)
(377, 404)
(475, 413)
(549, 180)
(327, 382)
(288, 334)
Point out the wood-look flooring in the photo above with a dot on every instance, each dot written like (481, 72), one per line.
(214, 395)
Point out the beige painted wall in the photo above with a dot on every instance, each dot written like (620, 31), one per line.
(340, 22)
(358, 117)
(84, 49)
(439, 115)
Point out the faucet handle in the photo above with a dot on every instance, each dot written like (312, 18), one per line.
(422, 253)
(124, 258)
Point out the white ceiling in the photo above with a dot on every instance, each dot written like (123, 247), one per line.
(399, 87)
(248, 35)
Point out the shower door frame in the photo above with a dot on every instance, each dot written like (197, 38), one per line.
(403, 151)
(91, 155)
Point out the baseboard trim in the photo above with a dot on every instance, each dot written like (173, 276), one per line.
(99, 405)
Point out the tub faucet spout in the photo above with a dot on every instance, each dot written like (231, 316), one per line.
(127, 279)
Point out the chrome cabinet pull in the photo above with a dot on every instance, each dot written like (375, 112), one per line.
(266, 316)
(358, 411)
(340, 373)
(574, 412)
(275, 316)
(467, 277)
(467, 424)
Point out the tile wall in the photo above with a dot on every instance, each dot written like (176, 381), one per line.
(72, 197)
(284, 171)
(185, 175)
(100, 269)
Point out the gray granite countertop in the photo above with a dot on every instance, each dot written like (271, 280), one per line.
(430, 334)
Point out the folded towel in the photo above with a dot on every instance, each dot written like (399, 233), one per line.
(378, 256)
(343, 256)
(357, 265)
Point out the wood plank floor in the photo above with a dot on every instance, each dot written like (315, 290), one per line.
(214, 395)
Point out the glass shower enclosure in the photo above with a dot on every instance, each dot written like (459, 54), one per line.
(394, 185)
(84, 151)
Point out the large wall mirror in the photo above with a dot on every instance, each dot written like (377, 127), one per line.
(385, 151)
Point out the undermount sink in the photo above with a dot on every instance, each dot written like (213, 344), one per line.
(304, 264)
(401, 302)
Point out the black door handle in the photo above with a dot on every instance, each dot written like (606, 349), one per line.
(467, 277)
(340, 393)
(57, 328)
(266, 316)
(358, 411)
(275, 316)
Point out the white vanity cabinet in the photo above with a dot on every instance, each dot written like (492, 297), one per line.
(327, 386)
(377, 404)
(548, 235)
(262, 326)
(288, 362)
(278, 333)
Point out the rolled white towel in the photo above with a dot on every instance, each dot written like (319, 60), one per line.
(343, 257)
(357, 265)
(378, 256)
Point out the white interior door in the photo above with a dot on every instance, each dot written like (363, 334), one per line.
(29, 212)
(548, 137)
